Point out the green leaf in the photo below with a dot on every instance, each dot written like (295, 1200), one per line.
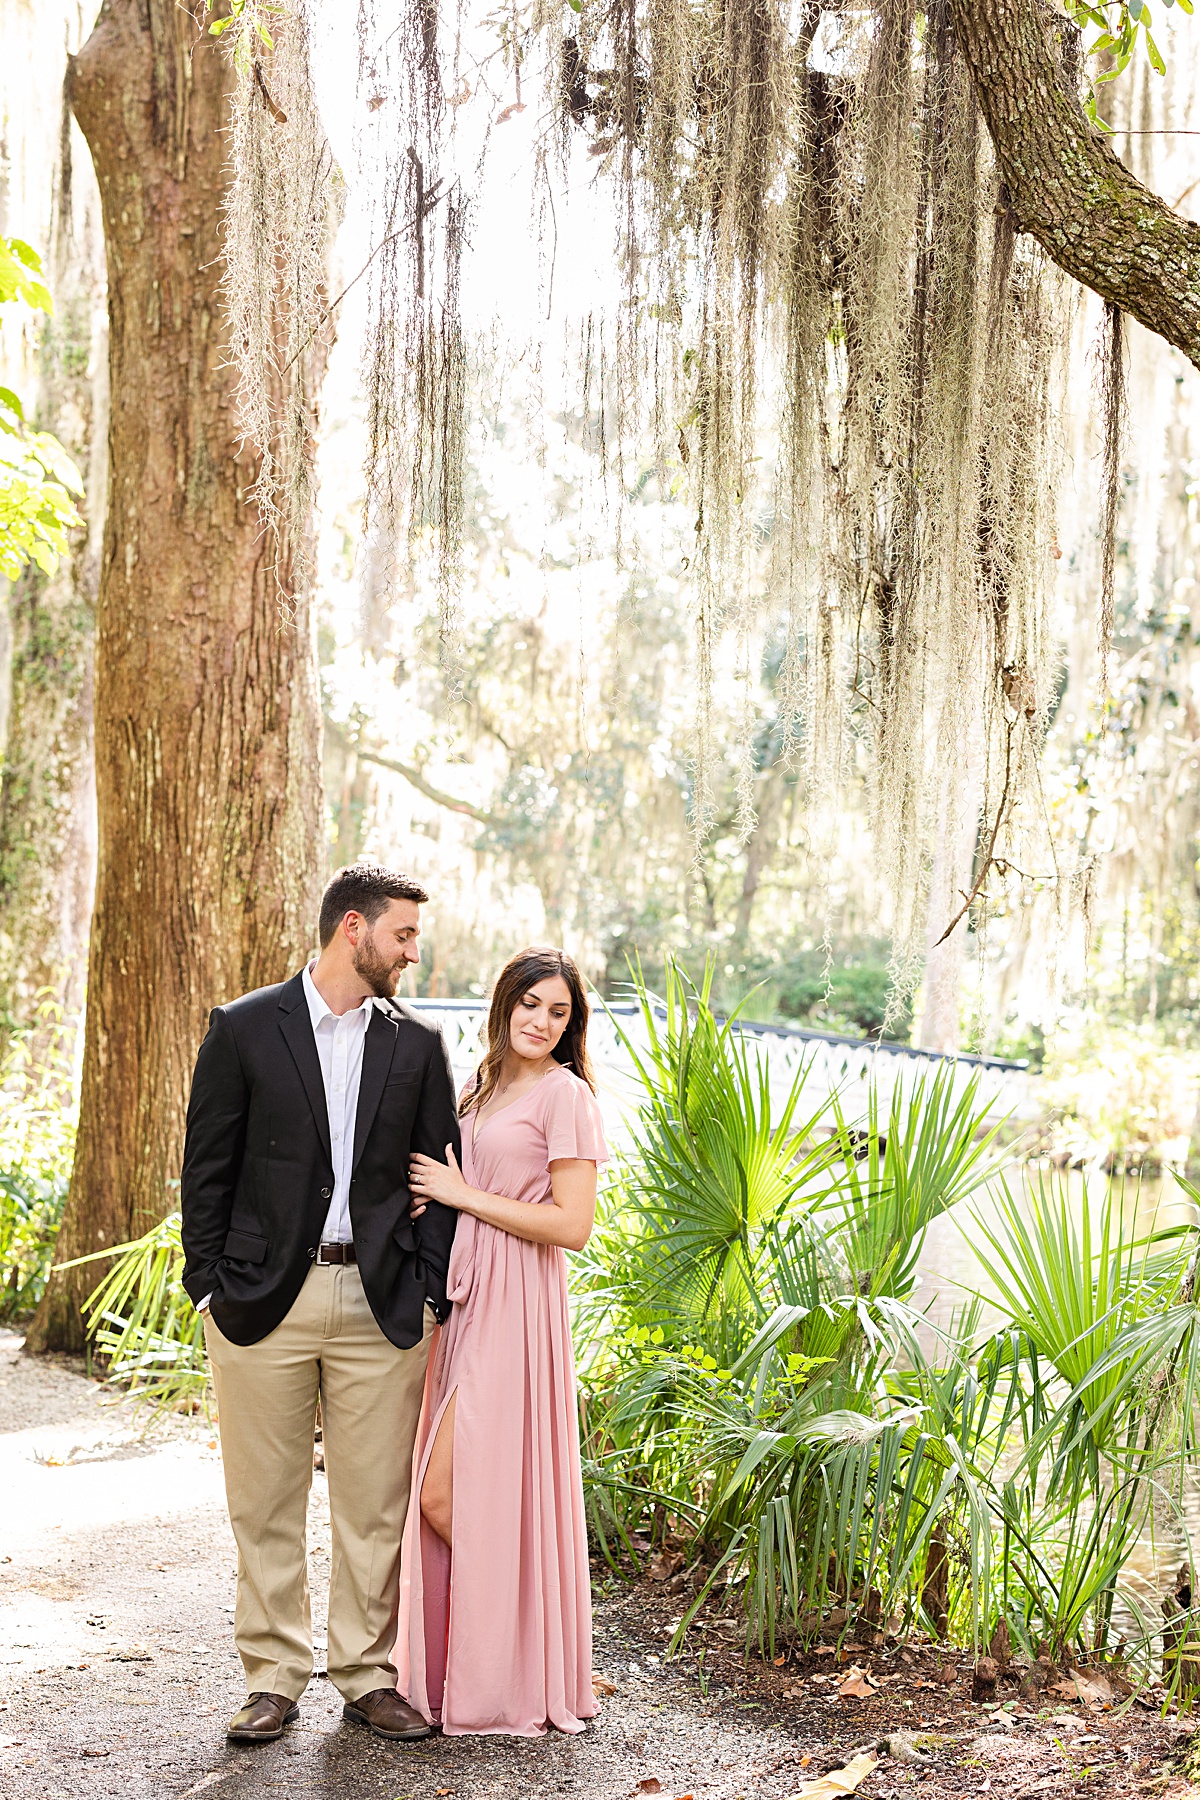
(1152, 51)
(12, 401)
(17, 265)
(27, 254)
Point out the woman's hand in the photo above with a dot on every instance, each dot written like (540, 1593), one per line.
(430, 1180)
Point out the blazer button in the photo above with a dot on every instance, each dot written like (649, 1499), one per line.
(327, 1193)
(312, 1250)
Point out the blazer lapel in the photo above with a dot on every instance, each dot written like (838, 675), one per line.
(296, 1027)
(377, 1060)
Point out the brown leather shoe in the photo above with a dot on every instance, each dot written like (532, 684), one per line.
(387, 1715)
(262, 1719)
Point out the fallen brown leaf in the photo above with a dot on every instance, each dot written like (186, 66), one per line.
(839, 1781)
(1063, 1690)
(664, 1565)
(856, 1686)
(1090, 1684)
(649, 1784)
(601, 1687)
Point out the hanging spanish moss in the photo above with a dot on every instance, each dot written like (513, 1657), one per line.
(280, 216)
(818, 250)
(834, 337)
(414, 360)
(1112, 421)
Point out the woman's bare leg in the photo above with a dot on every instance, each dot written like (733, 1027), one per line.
(437, 1489)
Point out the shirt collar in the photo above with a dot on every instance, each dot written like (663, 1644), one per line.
(317, 1009)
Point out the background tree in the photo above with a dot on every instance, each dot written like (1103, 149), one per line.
(47, 795)
(210, 851)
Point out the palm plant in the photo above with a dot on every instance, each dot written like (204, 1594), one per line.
(717, 1188)
(143, 1323)
(893, 1184)
(1100, 1346)
(746, 1306)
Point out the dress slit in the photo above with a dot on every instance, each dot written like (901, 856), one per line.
(427, 1449)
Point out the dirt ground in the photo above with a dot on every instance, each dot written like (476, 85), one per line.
(118, 1672)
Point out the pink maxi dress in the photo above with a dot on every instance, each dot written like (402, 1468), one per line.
(496, 1634)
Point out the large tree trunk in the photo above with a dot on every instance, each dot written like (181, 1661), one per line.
(47, 794)
(1065, 185)
(207, 724)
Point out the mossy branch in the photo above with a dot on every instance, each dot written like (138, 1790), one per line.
(1066, 186)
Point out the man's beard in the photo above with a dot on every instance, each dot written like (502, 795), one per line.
(383, 978)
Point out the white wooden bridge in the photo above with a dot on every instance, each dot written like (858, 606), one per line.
(847, 1065)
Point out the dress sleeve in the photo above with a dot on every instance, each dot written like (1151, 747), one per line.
(573, 1124)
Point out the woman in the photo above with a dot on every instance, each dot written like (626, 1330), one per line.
(495, 1612)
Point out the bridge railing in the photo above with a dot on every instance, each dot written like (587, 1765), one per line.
(845, 1064)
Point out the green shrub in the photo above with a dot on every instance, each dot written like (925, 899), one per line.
(38, 1108)
(846, 991)
(144, 1326)
(758, 1386)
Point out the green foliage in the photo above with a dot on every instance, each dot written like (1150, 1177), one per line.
(845, 990)
(712, 1183)
(247, 19)
(757, 1383)
(20, 266)
(37, 477)
(37, 1143)
(143, 1323)
(745, 1308)
(1097, 1362)
(1119, 24)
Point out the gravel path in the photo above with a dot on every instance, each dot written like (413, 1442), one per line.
(118, 1672)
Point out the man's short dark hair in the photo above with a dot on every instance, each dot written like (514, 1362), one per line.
(364, 888)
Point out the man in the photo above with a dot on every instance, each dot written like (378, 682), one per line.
(314, 1282)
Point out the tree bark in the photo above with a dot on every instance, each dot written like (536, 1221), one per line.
(207, 724)
(47, 794)
(760, 850)
(940, 1027)
(1066, 186)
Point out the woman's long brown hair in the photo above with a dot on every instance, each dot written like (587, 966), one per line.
(520, 973)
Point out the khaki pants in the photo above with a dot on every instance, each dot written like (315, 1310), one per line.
(328, 1345)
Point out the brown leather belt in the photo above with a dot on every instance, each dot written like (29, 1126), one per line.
(337, 1253)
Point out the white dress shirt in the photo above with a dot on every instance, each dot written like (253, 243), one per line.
(340, 1039)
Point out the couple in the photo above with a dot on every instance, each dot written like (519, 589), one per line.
(325, 1171)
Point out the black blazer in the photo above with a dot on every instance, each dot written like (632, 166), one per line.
(258, 1176)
